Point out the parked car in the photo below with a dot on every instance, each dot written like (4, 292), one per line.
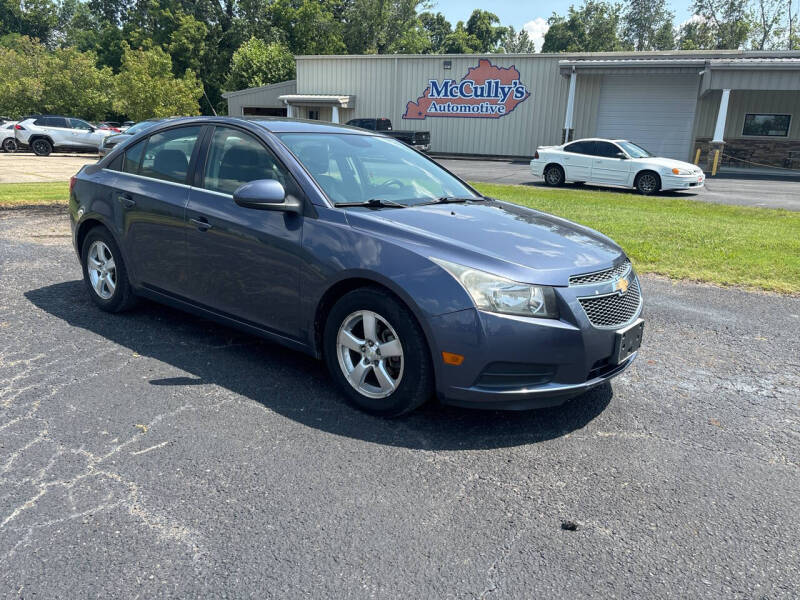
(354, 248)
(109, 142)
(419, 140)
(8, 141)
(45, 133)
(4, 120)
(616, 163)
(110, 125)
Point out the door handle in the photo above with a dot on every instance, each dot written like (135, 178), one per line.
(126, 201)
(201, 223)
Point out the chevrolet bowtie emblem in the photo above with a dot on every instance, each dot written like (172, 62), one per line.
(621, 285)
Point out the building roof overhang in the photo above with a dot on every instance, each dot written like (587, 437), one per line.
(342, 101)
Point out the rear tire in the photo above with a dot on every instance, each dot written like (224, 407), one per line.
(104, 272)
(554, 175)
(9, 145)
(647, 183)
(376, 352)
(41, 147)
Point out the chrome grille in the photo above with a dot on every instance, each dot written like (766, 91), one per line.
(601, 276)
(613, 310)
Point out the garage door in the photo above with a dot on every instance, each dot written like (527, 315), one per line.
(655, 111)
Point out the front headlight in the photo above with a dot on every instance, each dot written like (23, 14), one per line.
(498, 294)
(677, 171)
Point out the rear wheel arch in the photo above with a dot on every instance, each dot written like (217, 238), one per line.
(554, 165)
(40, 136)
(84, 227)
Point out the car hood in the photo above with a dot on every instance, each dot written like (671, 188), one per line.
(669, 163)
(506, 239)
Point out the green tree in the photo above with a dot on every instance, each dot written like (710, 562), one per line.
(482, 24)
(36, 19)
(145, 87)
(695, 34)
(646, 24)
(728, 21)
(308, 26)
(257, 63)
(63, 81)
(767, 30)
(460, 41)
(438, 28)
(514, 42)
(375, 26)
(593, 27)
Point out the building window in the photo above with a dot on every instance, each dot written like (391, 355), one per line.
(766, 125)
(263, 111)
(313, 114)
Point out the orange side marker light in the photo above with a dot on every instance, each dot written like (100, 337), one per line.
(452, 359)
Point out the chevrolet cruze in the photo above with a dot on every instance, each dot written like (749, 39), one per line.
(356, 249)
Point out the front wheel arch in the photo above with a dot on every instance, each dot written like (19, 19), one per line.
(641, 174)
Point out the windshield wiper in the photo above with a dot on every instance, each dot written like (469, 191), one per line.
(373, 203)
(452, 200)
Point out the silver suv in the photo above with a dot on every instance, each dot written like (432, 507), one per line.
(46, 132)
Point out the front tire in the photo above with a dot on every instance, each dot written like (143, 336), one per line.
(376, 352)
(104, 272)
(9, 145)
(554, 176)
(41, 147)
(647, 183)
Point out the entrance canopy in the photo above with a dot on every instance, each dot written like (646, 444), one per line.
(334, 101)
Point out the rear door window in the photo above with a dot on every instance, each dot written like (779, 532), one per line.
(133, 158)
(79, 124)
(167, 154)
(579, 148)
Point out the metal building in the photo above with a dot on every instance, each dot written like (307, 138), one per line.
(506, 105)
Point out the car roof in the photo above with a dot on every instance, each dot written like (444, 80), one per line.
(275, 124)
(594, 139)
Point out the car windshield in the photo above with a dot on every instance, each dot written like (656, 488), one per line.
(140, 126)
(359, 168)
(633, 150)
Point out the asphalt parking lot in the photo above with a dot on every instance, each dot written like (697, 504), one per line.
(762, 192)
(155, 454)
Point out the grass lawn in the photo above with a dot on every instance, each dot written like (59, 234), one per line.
(726, 245)
(19, 194)
(685, 239)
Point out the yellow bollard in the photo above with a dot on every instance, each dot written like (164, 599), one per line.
(697, 157)
(716, 160)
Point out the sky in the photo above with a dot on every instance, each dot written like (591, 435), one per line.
(530, 15)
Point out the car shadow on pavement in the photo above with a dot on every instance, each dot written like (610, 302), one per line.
(688, 194)
(297, 386)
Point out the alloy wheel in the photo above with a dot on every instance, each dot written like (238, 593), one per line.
(648, 183)
(553, 176)
(102, 270)
(370, 354)
(10, 145)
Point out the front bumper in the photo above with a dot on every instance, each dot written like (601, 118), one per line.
(683, 182)
(557, 359)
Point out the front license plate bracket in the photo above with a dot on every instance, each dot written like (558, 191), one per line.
(627, 341)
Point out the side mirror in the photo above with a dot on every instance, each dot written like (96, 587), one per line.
(621, 155)
(265, 194)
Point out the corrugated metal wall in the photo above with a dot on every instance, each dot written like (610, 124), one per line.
(383, 85)
(743, 102)
(266, 96)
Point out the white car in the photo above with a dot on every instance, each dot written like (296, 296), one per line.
(614, 162)
(8, 141)
(46, 132)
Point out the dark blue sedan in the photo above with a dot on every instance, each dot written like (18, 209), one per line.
(354, 248)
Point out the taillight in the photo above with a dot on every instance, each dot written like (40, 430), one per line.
(72, 181)
(19, 127)
(536, 155)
